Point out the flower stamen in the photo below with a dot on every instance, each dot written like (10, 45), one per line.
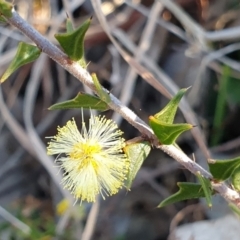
(94, 161)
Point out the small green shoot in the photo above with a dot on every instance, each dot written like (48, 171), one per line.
(207, 188)
(103, 95)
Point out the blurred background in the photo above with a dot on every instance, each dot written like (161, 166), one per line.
(33, 204)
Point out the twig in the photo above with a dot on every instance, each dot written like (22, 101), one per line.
(63, 221)
(91, 221)
(72, 67)
(57, 55)
(41, 127)
(7, 57)
(217, 55)
(145, 173)
(14, 221)
(115, 77)
(166, 86)
(35, 142)
(167, 25)
(223, 35)
(12, 34)
(145, 42)
(161, 190)
(228, 146)
(184, 160)
(15, 127)
(11, 162)
(195, 31)
(181, 215)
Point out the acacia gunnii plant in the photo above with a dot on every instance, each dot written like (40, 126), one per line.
(96, 159)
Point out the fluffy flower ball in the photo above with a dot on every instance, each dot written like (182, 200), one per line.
(93, 160)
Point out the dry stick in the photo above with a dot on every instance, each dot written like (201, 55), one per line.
(3, 40)
(228, 146)
(167, 83)
(72, 67)
(14, 221)
(145, 173)
(81, 74)
(15, 127)
(217, 55)
(7, 57)
(91, 221)
(11, 34)
(167, 87)
(223, 35)
(115, 76)
(145, 42)
(41, 127)
(63, 222)
(218, 69)
(37, 144)
(199, 34)
(194, 29)
(229, 194)
(161, 190)
(230, 62)
(165, 24)
(180, 216)
(35, 141)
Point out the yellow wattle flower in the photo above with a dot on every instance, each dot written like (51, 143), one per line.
(62, 207)
(94, 161)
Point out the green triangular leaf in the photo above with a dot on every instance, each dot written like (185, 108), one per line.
(82, 100)
(5, 8)
(103, 95)
(235, 178)
(167, 133)
(26, 53)
(223, 169)
(168, 113)
(186, 191)
(136, 153)
(72, 42)
(207, 188)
